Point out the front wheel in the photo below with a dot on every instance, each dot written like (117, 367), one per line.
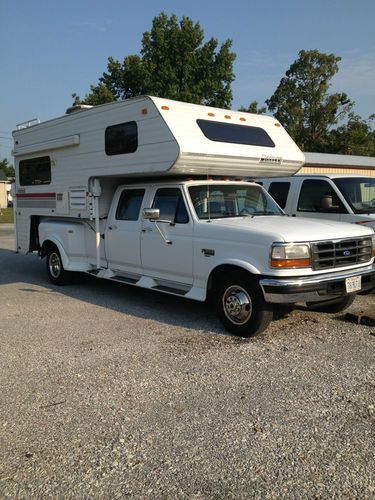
(332, 306)
(241, 306)
(55, 269)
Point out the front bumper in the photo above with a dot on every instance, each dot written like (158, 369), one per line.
(314, 288)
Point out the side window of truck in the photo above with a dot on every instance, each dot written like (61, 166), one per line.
(129, 205)
(318, 196)
(171, 205)
(279, 192)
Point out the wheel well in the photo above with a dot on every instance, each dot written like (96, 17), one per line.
(219, 272)
(45, 247)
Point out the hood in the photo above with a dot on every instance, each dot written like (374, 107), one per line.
(291, 229)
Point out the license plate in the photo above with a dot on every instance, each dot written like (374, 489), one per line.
(353, 284)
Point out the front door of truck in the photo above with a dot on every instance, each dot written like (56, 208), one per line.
(171, 260)
(122, 238)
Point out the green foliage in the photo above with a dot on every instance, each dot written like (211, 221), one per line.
(354, 138)
(253, 108)
(6, 216)
(303, 104)
(7, 168)
(174, 63)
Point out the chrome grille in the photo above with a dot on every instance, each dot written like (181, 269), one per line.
(339, 253)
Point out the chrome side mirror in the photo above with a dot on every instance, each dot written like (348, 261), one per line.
(152, 214)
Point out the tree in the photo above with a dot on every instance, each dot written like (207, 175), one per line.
(174, 63)
(303, 104)
(7, 168)
(253, 108)
(354, 138)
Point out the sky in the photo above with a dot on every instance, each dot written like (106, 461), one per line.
(50, 49)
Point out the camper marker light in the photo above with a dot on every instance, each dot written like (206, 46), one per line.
(210, 114)
(228, 117)
(165, 107)
(373, 244)
(242, 119)
(290, 255)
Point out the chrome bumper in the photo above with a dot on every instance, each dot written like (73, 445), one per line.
(314, 288)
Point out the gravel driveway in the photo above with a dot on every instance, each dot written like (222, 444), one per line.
(109, 391)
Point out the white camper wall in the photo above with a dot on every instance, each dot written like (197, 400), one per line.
(74, 164)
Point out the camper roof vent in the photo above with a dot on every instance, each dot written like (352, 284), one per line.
(78, 107)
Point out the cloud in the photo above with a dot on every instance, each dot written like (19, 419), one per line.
(90, 25)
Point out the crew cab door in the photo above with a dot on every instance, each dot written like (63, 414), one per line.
(122, 237)
(171, 260)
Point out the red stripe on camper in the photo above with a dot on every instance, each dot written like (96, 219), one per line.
(36, 195)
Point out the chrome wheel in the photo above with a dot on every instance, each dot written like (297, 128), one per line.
(54, 264)
(237, 305)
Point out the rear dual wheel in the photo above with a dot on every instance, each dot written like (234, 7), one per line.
(55, 268)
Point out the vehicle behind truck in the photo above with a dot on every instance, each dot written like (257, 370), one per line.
(149, 192)
(338, 197)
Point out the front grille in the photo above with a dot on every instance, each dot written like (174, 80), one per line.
(339, 253)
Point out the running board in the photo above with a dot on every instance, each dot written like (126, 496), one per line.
(125, 279)
(169, 289)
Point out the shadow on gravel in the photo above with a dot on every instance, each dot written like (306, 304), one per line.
(28, 271)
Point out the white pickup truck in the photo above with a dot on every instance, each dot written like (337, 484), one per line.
(228, 239)
(126, 192)
(337, 197)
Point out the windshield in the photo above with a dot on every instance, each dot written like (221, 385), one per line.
(359, 192)
(218, 201)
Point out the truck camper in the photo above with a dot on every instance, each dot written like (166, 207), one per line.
(151, 192)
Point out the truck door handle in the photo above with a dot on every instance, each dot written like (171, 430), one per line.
(147, 230)
(112, 228)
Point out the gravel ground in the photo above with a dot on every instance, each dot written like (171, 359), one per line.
(108, 391)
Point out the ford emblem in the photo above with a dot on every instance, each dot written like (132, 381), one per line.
(346, 253)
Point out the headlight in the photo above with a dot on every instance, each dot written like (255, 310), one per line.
(290, 255)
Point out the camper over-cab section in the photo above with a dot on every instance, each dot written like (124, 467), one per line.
(144, 136)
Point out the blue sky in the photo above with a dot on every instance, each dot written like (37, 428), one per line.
(50, 49)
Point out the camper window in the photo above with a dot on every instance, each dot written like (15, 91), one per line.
(236, 134)
(121, 139)
(35, 171)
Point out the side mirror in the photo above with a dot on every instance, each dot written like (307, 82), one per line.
(151, 214)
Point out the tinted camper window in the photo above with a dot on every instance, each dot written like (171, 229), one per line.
(121, 139)
(236, 134)
(35, 171)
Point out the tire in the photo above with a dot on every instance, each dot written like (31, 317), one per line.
(332, 306)
(241, 306)
(55, 269)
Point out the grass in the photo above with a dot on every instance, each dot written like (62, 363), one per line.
(6, 216)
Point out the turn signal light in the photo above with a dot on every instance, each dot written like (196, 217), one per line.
(285, 263)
